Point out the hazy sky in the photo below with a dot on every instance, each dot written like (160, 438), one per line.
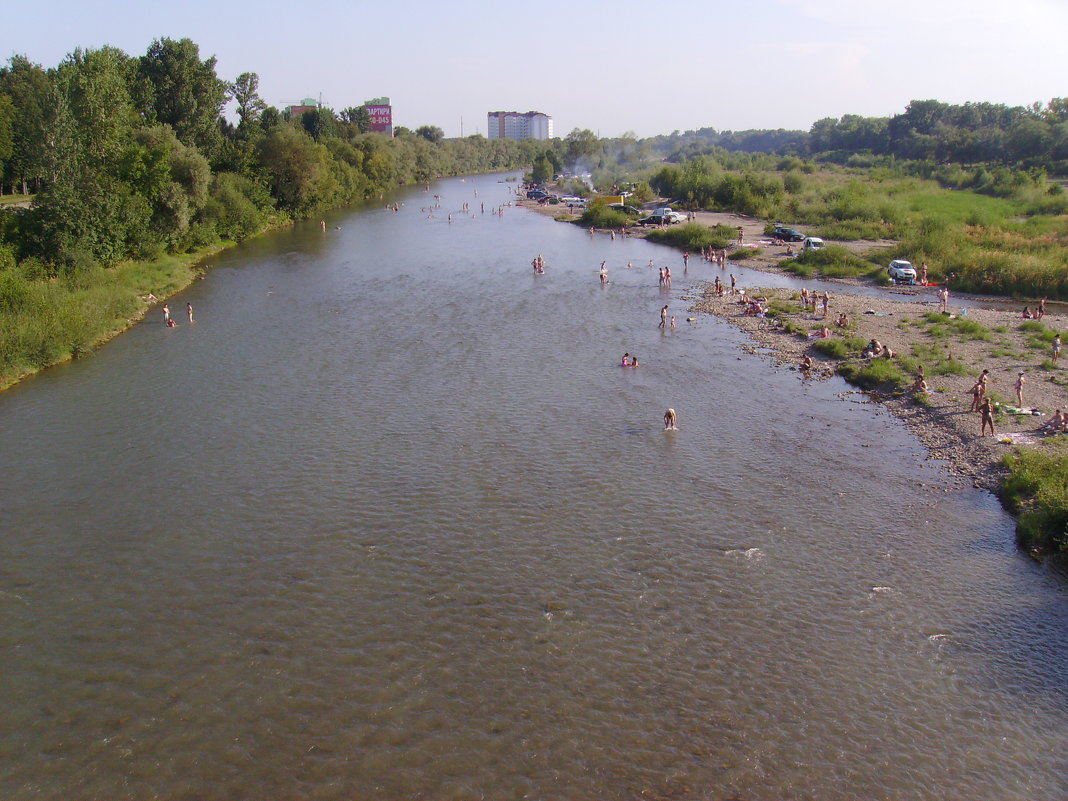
(647, 66)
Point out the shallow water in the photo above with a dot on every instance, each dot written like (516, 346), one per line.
(389, 522)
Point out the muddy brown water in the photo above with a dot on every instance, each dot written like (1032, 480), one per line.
(390, 522)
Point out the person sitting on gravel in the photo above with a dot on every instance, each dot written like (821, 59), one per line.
(873, 349)
(920, 386)
(1054, 425)
(842, 321)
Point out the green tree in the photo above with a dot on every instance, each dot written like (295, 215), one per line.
(318, 123)
(249, 104)
(180, 90)
(297, 170)
(581, 145)
(96, 86)
(357, 116)
(7, 122)
(430, 133)
(29, 88)
(543, 170)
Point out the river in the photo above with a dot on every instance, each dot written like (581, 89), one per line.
(388, 521)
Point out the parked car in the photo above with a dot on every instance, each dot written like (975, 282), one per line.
(788, 234)
(623, 207)
(571, 199)
(660, 217)
(812, 243)
(537, 194)
(901, 270)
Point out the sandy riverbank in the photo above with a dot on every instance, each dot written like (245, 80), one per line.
(944, 423)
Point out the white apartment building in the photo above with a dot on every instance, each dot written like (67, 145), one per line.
(517, 125)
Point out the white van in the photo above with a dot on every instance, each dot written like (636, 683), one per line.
(811, 243)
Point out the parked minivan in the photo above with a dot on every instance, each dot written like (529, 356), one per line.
(811, 243)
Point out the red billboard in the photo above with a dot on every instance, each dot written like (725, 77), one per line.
(381, 118)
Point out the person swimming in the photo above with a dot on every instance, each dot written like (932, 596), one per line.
(626, 360)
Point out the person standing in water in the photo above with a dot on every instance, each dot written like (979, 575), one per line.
(166, 314)
(604, 273)
(669, 420)
(189, 311)
(663, 317)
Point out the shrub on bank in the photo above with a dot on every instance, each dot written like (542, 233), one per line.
(693, 236)
(835, 261)
(878, 373)
(600, 216)
(1037, 491)
(835, 348)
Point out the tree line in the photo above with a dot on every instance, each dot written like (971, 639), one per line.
(132, 157)
(1034, 136)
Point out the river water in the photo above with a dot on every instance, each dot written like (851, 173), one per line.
(388, 521)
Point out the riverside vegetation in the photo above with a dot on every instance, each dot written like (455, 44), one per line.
(119, 173)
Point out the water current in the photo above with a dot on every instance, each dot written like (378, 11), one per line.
(389, 522)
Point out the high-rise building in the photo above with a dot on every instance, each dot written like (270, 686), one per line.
(519, 125)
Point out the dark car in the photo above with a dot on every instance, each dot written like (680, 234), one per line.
(656, 219)
(537, 194)
(787, 234)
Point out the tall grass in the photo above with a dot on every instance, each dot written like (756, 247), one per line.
(44, 320)
(1037, 491)
(694, 236)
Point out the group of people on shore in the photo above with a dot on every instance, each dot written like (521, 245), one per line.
(811, 300)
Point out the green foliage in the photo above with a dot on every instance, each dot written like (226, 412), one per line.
(600, 216)
(744, 253)
(178, 89)
(542, 171)
(835, 261)
(1037, 491)
(835, 348)
(693, 236)
(878, 373)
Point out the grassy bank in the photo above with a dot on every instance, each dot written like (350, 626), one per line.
(45, 321)
(1006, 239)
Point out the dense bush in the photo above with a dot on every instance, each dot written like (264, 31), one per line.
(694, 236)
(600, 215)
(1037, 491)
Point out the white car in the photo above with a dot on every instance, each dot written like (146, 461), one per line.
(811, 243)
(571, 199)
(901, 270)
